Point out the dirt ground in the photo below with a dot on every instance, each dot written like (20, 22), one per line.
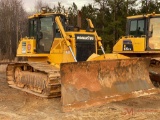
(17, 105)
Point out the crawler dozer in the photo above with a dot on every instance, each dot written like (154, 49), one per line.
(142, 40)
(62, 60)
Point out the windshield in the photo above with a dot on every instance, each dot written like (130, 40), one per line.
(46, 27)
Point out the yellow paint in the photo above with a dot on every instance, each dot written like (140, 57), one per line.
(59, 52)
(143, 16)
(109, 56)
(26, 46)
(139, 44)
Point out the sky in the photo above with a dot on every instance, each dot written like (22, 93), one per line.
(29, 4)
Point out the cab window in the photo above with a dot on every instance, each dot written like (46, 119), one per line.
(137, 28)
(32, 28)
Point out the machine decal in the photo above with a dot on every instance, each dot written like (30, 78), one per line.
(24, 47)
(84, 37)
(127, 45)
(29, 47)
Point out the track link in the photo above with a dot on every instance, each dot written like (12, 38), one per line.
(38, 78)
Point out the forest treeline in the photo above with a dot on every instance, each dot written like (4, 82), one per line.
(108, 17)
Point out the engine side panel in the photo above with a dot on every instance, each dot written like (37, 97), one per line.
(130, 44)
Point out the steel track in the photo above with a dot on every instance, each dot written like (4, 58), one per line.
(38, 78)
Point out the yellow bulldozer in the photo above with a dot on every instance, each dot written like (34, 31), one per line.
(62, 60)
(142, 40)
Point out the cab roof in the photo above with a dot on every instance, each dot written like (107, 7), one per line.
(143, 16)
(43, 14)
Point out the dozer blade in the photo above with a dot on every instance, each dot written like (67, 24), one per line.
(86, 84)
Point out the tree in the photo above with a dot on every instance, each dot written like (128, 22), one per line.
(149, 6)
(72, 11)
(111, 19)
(88, 12)
(12, 26)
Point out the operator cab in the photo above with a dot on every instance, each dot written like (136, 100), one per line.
(147, 26)
(44, 30)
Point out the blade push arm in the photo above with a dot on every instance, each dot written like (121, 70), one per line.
(58, 21)
(98, 38)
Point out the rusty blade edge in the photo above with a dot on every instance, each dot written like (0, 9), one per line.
(105, 100)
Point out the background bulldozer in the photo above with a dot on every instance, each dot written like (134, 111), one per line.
(62, 60)
(142, 40)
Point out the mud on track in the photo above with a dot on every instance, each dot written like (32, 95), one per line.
(17, 105)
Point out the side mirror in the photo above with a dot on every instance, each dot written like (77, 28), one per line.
(40, 35)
